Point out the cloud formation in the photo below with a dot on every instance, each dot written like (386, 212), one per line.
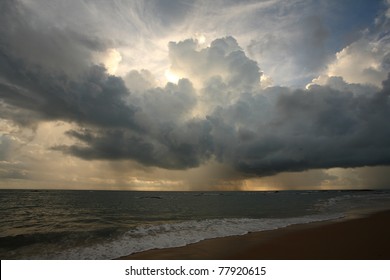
(217, 112)
(262, 132)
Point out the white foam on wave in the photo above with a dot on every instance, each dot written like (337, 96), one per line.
(179, 234)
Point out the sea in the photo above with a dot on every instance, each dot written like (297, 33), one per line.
(68, 224)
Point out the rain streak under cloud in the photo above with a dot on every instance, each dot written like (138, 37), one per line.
(194, 94)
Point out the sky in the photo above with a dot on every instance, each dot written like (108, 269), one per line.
(195, 95)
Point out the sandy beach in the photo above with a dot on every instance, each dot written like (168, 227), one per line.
(362, 237)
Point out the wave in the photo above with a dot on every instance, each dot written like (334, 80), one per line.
(168, 235)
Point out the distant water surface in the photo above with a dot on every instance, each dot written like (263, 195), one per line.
(108, 224)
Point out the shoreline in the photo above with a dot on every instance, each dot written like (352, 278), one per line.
(356, 237)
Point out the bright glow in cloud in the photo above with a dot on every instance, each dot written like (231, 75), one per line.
(112, 60)
(200, 38)
(171, 76)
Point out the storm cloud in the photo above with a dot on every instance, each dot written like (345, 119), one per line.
(304, 129)
(217, 111)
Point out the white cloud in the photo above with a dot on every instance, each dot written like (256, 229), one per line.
(361, 62)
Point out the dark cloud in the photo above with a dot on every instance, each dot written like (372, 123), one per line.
(171, 147)
(95, 99)
(169, 104)
(46, 74)
(217, 111)
(147, 127)
(166, 138)
(55, 48)
(304, 129)
(261, 134)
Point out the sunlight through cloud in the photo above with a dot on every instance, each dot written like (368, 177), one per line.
(171, 76)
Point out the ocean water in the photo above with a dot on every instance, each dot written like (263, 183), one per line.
(108, 224)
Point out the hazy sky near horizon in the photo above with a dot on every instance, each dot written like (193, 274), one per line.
(194, 95)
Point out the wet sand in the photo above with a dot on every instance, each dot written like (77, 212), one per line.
(364, 237)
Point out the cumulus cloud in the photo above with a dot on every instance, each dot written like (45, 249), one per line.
(223, 60)
(362, 62)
